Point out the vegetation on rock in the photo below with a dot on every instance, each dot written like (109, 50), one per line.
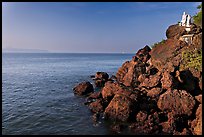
(198, 17)
(192, 59)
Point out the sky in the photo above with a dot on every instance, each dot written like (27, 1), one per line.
(89, 27)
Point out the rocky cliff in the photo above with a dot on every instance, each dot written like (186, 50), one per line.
(159, 91)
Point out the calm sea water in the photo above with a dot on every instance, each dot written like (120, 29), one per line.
(37, 96)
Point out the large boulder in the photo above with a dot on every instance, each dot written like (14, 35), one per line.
(175, 31)
(177, 101)
(83, 88)
(112, 88)
(121, 108)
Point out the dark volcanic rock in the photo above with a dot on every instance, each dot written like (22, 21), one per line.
(177, 101)
(101, 75)
(83, 88)
(101, 78)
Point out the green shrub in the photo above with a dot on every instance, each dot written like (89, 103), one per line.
(198, 17)
(191, 59)
(158, 43)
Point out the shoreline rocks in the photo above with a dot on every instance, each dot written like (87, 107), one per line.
(150, 94)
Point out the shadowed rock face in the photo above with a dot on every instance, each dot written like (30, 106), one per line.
(83, 88)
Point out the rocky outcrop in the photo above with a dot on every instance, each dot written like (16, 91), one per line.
(130, 71)
(154, 93)
(83, 88)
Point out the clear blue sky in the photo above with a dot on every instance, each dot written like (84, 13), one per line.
(89, 26)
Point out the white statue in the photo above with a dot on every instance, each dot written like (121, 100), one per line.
(188, 20)
(183, 20)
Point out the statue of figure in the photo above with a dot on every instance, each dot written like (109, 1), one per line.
(183, 20)
(188, 20)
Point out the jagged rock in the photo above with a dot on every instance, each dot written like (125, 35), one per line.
(129, 72)
(196, 124)
(148, 126)
(154, 92)
(152, 81)
(93, 96)
(101, 78)
(168, 81)
(141, 116)
(142, 77)
(112, 88)
(199, 98)
(143, 54)
(178, 101)
(96, 106)
(121, 108)
(83, 88)
(101, 75)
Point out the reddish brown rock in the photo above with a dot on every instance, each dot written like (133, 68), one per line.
(96, 106)
(175, 31)
(109, 90)
(152, 81)
(112, 88)
(120, 108)
(167, 81)
(148, 126)
(196, 124)
(142, 77)
(165, 52)
(154, 92)
(143, 54)
(141, 116)
(129, 72)
(199, 98)
(178, 101)
(83, 88)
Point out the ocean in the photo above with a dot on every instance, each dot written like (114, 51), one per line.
(37, 95)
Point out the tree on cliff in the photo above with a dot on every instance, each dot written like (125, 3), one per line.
(198, 17)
